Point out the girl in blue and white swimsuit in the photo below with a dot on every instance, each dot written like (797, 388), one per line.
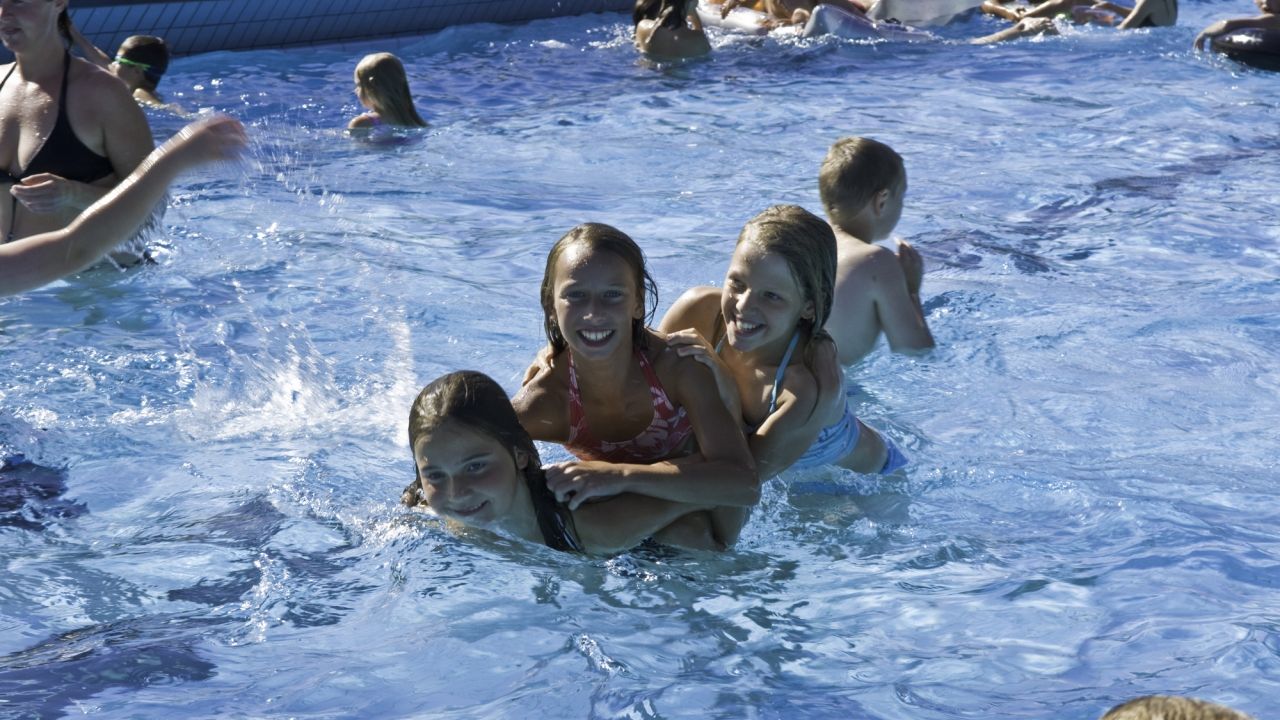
(771, 355)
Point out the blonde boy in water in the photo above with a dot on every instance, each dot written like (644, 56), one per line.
(862, 183)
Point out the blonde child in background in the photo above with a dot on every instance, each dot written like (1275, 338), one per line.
(862, 183)
(1168, 707)
(383, 89)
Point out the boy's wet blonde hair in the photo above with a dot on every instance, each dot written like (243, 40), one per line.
(381, 77)
(1165, 707)
(855, 169)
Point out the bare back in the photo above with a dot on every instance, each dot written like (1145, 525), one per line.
(664, 44)
(872, 296)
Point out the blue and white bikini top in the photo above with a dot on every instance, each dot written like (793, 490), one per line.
(777, 377)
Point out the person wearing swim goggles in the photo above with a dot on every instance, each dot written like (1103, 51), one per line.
(140, 63)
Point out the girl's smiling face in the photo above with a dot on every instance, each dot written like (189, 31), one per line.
(467, 475)
(761, 301)
(596, 301)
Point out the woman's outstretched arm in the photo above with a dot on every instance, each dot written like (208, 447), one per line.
(33, 261)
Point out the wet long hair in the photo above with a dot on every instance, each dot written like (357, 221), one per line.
(474, 400)
(669, 13)
(808, 245)
(381, 77)
(598, 237)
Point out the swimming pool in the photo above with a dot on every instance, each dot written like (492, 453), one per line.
(1091, 510)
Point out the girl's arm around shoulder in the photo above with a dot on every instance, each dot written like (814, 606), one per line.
(727, 474)
(697, 309)
(623, 521)
(721, 473)
(542, 404)
(805, 407)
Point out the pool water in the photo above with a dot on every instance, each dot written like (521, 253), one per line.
(1090, 514)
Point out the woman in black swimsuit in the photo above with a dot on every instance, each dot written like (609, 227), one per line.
(69, 131)
(37, 259)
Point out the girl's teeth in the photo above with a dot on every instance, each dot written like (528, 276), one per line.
(596, 335)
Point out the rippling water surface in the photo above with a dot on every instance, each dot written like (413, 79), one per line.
(1091, 511)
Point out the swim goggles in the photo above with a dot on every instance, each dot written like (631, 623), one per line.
(132, 63)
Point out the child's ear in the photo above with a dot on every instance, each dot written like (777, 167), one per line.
(879, 200)
(637, 313)
(522, 459)
(809, 313)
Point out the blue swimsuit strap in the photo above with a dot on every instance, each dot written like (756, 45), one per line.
(782, 370)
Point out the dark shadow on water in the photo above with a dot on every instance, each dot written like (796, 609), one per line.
(253, 526)
(969, 250)
(51, 677)
(31, 495)
(47, 680)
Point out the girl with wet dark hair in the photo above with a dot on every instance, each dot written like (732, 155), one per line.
(640, 418)
(476, 465)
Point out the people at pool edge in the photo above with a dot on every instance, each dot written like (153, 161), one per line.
(1169, 707)
(1144, 13)
(69, 131)
(793, 12)
(1037, 20)
(639, 417)
(140, 63)
(669, 29)
(763, 333)
(862, 184)
(38, 259)
(477, 465)
(1268, 20)
(383, 89)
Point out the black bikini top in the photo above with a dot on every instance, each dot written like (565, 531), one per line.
(554, 519)
(62, 153)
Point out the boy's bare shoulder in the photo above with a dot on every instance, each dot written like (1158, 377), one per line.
(865, 258)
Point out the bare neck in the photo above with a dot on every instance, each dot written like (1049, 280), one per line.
(608, 377)
(855, 234)
(523, 520)
(40, 65)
